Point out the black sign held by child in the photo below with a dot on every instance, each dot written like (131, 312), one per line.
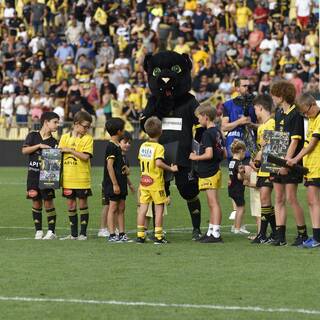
(50, 169)
(277, 144)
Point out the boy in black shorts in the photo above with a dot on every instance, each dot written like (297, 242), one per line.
(32, 146)
(115, 180)
(235, 186)
(288, 119)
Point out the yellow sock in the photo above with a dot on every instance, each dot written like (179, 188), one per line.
(141, 232)
(158, 233)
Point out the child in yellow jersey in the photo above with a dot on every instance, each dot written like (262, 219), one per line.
(311, 155)
(263, 106)
(152, 165)
(77, 148)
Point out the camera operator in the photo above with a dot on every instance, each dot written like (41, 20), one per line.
(237, 114)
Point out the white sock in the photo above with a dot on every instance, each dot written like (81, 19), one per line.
(210, 230)
(216, 230)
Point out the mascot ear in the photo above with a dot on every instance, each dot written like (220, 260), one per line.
(145, 62)
(188, 61)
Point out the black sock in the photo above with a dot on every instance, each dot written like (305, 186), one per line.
(73, 218)
(282, 233)
(194, 207)
(316, 234)
(52, 218)
(302, 231)
(272, 221)
(37, 218)
(84, 219)
(265, 214)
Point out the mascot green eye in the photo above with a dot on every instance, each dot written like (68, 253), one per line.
(176, 69)
(156, 72)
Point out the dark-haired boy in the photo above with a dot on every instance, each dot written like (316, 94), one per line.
(32, 146)
(285, 184)
(263, 106)
(115, 180)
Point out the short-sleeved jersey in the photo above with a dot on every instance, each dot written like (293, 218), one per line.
(76, 173)
(113, 151)
(291, 121)
(235, 185)
(151, 175)
(32, 139)
(211, 138)
(312, 160)
(268, 125)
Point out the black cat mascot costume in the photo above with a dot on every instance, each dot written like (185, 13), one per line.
(169, 77)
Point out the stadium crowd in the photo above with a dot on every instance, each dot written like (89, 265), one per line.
(66, 56)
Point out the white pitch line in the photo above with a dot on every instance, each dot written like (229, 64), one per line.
(162, 305)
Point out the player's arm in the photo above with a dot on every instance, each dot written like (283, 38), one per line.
(207, 155)
(80, 155)
(308, 149)
(161, 164)
(32, 149)
(112, 175)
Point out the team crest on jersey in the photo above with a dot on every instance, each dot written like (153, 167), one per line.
(146, 152)
(146, 181)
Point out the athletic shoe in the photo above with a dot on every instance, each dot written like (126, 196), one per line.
(310, 244)
(211, 239)
(232, 229)
(196, 234)
(140, 240)
(161, 241)
(259, 239)
(103, 233)
(69, 237)
(244, 230)
(241, 231)
(124, 238)
(82, 237)
(232, 215)
(49, 236)
(38, 235)
(113, 238)
(299, 240)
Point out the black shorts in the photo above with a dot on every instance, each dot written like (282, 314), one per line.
(237, 196)
(38, 194)
(110, 196)
(312, 182)
(291, 178)
(76, 193)
(264, 182)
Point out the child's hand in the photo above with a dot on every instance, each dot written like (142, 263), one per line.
(174, 168)
(116, 189)
(168, 201)
(125, 170)
(132, 188)
(43, 146)
(292, 162)
(193, 156)
(66, 150)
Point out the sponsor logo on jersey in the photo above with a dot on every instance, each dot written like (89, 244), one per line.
(146, 152)
(146, 181)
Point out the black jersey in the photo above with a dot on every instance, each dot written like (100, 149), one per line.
(291, 122)
(32, 139)
(113, 151)
(211, 138)
(235, 185)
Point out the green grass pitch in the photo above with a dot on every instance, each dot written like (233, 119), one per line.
(182, 280)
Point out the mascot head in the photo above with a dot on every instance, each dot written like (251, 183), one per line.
(169, 74)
